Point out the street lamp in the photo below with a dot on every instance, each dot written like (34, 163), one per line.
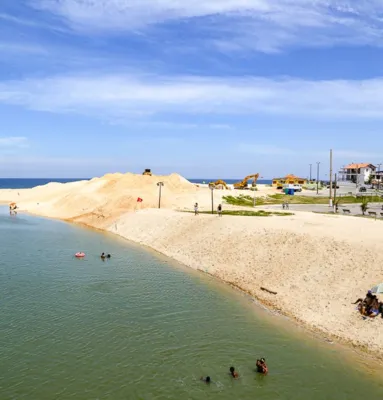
(212, 187)
(318, 177)
(310, 171)
(159, 184)
(379, 177)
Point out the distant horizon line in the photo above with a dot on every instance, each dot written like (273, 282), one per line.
(86, 178)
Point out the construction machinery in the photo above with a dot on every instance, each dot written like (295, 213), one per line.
(219, 183)
(147, 172)
(244, 183)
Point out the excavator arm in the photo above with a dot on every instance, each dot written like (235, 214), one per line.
(219, 182)
(243, 183)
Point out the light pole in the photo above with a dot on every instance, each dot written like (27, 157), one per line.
(211, 186)
(159, 184)
(254, 189)
(310, 171)
(318, 177)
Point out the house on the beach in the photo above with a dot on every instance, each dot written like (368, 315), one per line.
(288, 180)
(357, 173)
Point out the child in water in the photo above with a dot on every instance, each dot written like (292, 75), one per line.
(261, 366)
(206, 380)
(233, 373)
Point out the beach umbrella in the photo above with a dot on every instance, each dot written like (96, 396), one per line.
(378, 289)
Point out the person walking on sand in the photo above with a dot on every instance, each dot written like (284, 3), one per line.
(196, 209)
(219, 209)
(287, 205)
(284, 205)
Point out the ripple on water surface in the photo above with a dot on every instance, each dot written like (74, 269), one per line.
(139, 327)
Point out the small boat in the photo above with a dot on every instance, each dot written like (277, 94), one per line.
(79, 255)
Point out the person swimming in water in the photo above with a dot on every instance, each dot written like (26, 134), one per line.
(233, 373)
(108, 256)
(103, 256)
(206, 380)
(261, 366)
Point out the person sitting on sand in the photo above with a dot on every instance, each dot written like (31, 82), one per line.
(103, 256)
(261, 366)
(233, 373)
(368, 300)
(206, 380)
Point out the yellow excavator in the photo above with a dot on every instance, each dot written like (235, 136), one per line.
(243, 185)
(147, 172)
(219, 182)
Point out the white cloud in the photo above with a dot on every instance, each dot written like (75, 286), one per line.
(264, 25)
(139, 97)
(13, 141)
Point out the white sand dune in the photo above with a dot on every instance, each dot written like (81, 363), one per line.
(317, 264)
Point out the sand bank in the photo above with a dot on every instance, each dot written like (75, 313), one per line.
(317, 264)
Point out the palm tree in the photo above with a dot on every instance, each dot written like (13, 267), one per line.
(364, 205)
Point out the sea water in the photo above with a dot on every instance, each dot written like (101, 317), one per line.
(140, 326)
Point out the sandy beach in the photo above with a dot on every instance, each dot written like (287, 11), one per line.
(317, 264)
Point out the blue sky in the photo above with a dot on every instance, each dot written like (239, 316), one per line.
(206, 88)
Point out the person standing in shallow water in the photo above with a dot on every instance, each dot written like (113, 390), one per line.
(262, 367)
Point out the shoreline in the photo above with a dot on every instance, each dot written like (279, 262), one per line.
(267, 306)
(317, 264)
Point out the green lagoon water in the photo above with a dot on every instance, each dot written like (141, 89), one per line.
(139, 326)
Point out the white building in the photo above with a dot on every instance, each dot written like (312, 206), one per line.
(357, 173)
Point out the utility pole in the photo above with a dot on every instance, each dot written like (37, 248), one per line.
(318, 177)
(335, 193)
(330, 178)
(212, 187)
(310, 171)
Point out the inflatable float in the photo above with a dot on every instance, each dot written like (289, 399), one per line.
(79, 255)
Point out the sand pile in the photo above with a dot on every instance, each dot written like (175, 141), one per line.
(317, 264)
(100, 200)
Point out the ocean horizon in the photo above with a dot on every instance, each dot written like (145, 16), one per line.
(28, 183)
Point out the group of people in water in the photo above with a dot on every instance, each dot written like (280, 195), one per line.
(103, 256)
(261, 368)
(370, 306)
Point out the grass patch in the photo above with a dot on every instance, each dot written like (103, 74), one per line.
(247, 201)
(245, 213)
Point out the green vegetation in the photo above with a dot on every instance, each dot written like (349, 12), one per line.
(364, 206)
(247, 201)
(245, 213)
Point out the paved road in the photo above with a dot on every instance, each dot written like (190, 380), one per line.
(354, 208)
